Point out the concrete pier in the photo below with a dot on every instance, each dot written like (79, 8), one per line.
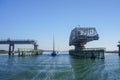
(88, 53)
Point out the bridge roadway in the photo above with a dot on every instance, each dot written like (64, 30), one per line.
(13, 42)
(17, 42)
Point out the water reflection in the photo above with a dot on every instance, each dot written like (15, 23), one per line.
(88, 69)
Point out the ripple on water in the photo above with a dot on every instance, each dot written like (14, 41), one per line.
(61, 67)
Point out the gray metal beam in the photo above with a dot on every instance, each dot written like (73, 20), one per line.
(17, 42)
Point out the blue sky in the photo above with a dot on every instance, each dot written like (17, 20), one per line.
(40, 19)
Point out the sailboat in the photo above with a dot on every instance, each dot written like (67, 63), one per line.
(53, 52)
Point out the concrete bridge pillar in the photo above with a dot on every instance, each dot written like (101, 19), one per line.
(79, 46)
(11, 49)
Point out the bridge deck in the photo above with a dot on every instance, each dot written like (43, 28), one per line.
(17, 41)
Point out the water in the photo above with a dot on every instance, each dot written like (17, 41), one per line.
(61, 67)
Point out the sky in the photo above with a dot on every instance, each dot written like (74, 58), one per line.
(40, 19)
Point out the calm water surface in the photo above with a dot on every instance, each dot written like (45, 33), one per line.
(61, 67)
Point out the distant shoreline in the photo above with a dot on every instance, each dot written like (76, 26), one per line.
(3, 52)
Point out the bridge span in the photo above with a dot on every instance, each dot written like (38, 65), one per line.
(12, 43)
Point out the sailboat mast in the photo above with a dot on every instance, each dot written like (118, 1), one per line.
(53, 44)
(53, 53)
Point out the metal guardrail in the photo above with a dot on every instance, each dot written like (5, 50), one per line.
(17, 42)
(95, 49)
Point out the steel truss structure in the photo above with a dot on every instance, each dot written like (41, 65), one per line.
(81, 35)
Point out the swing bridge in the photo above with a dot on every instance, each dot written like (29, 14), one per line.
(79, 37)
